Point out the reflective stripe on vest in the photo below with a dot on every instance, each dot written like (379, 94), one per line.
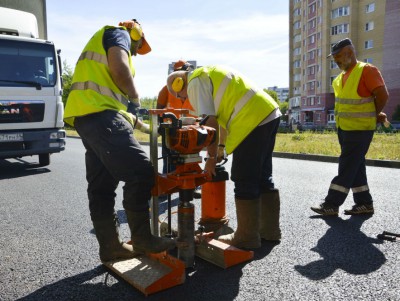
(101, 90)
(90, 55)
(241, 102)
(221, 90)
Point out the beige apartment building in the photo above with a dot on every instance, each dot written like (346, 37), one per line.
(315, 25)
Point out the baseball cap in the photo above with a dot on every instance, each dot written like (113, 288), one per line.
(339, 46)
(179, 64)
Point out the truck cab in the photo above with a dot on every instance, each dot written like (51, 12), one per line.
(31, 108)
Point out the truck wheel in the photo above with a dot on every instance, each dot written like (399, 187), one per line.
(44, 159)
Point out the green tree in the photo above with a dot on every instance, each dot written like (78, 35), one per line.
(67, 81)
(284, 106)
(396, 114)
(273, 94)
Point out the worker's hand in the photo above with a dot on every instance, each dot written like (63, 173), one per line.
(209, 168)
(143, 127)
(381, 118)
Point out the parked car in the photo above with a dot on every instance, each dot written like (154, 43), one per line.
(307, 126)
(396, 125)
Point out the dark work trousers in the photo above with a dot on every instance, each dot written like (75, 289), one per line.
(252, 162)
(352, 170)
(114, 155)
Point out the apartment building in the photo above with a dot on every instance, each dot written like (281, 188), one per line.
(282, 93)
(315, 25)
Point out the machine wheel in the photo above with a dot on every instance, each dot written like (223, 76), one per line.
(44, 159)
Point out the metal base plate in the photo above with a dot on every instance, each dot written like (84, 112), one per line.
(150, 273)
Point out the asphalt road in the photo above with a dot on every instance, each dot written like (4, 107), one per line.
(48, 250)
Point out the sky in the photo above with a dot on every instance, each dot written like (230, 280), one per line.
(251, 36)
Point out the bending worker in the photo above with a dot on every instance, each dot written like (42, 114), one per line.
(167, 100)
(246, 120)
(102, 87)
(360, 96)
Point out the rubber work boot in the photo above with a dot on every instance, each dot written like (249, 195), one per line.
(142, 239)
(248, 224)
(270, 211)
(111, 245)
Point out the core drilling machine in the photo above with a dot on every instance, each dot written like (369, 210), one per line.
(186, 137)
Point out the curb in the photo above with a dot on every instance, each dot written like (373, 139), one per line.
(332, 159)
(319, 158)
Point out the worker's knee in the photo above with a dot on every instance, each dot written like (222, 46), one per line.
(137, 193)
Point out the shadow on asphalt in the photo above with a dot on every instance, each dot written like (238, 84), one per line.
(76, 288)
(19, 168)
(344, 247)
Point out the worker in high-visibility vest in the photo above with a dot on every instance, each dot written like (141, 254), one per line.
(360, 96)
(246, 120)
(102, 88)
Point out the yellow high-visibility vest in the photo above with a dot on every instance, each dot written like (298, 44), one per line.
(93, 89)
(353, 112)
(239, 106)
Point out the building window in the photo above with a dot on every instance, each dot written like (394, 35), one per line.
(311, 24)
(304, 102)
(368, 44)
(297, 1)
(311, 8)
(311, 101)
(297, 64)
(297, 12)
(297, 51)
(340, 12)
(297, 38)
(368, 60)
(318, 116)
(311, 70)
(319, 100)
(334, 65)
(369, 26)
(339, 29)
(332, 78)
(311, 55)
(311, 39)
(297, 25)
(369, 8)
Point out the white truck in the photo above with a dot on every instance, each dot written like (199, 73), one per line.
(31, 107)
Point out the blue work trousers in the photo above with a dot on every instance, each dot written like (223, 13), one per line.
(252, 162)
(352, 169)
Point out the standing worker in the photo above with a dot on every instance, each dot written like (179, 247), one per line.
(246, 120)
(360, 96)
(102, 87)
